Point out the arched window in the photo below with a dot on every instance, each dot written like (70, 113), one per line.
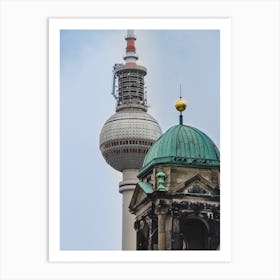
(195, 234)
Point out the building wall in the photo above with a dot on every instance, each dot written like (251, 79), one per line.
(166, 213)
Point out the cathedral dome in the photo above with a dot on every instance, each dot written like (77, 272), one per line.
(182, 145)
(126, 137)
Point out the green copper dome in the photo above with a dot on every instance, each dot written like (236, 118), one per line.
(182, 145)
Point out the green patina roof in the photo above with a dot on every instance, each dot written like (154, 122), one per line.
(146, 187)
(182, 145)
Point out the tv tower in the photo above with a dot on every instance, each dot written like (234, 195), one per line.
(128, 134)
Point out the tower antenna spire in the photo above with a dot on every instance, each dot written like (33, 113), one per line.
(128, 79)
(130, 54)
(180, 92)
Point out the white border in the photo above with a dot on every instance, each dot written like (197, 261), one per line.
(55, 254)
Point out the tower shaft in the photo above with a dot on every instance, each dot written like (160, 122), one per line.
(126, 188)
(128, 134)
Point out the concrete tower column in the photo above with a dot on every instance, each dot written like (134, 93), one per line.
(128, 134)
(126, 188)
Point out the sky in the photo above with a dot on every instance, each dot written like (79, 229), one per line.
(90, 203)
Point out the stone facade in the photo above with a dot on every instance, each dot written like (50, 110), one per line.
(177, 208)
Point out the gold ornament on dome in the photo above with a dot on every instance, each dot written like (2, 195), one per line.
(181, 105)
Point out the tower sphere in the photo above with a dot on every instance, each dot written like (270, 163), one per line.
(126, 137)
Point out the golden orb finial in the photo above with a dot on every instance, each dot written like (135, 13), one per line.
(180, 105)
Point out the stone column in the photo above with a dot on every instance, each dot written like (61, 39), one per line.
(161, 212)
(126, 188)
(177, 239)
(161, 232)
(137, 231)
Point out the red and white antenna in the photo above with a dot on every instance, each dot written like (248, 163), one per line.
(130, 55)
